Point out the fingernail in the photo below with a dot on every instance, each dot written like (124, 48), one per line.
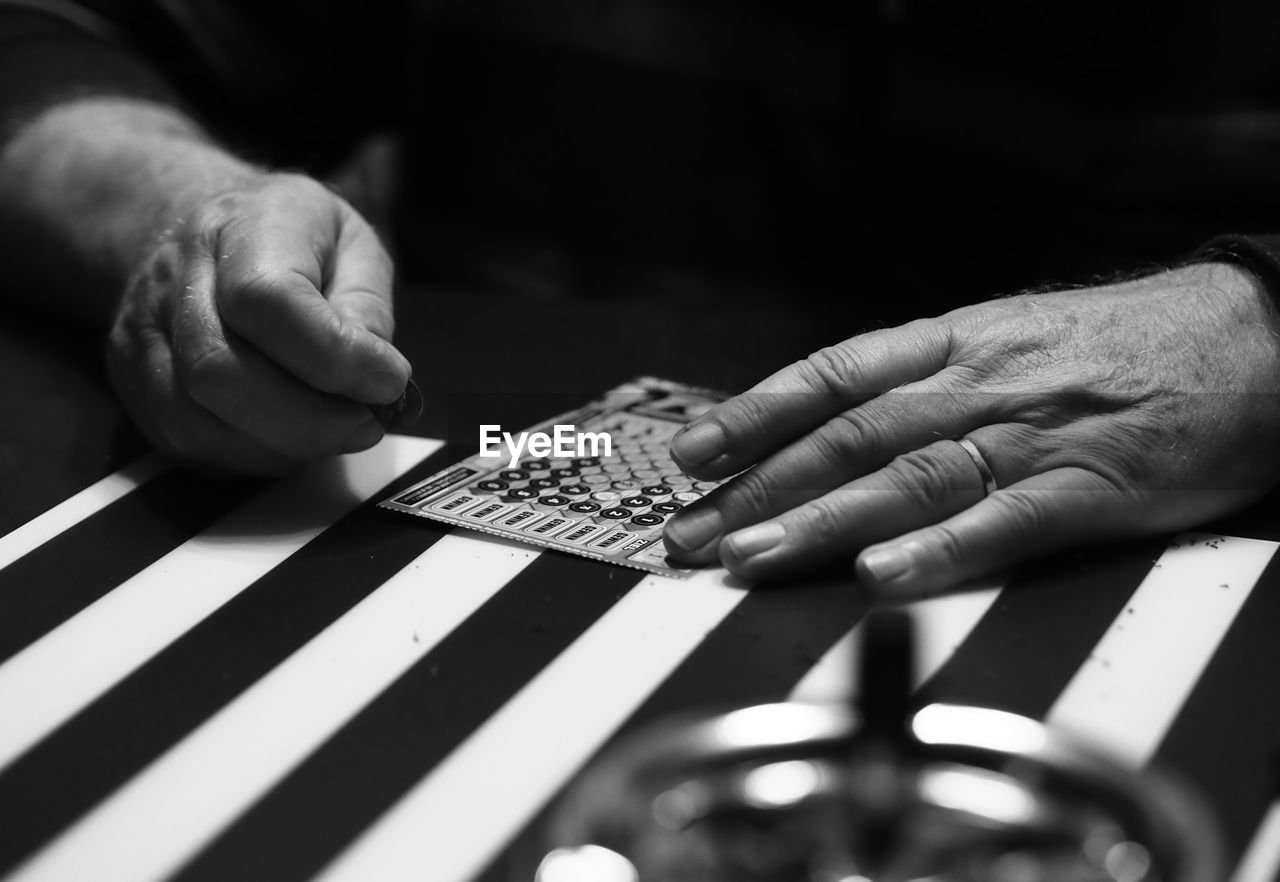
(698, 443)
(887, 562)
(695, 529)
(383, 387)
(755, 540)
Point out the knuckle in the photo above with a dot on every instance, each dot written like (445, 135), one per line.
(203, 228)
(209, 217)
(1124, 456)
(945, 544)
(205, 375)
(253, 294)
(747, 496)
(162, 269)
(832, 369)
(153, 283)
(1030, 511)
(924, 475)
(746, 416)
(346, 336)
(850, 439)
(824, 521)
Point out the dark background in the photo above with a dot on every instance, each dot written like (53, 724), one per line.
(700, 189)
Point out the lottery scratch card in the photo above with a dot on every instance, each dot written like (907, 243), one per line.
(597, 482)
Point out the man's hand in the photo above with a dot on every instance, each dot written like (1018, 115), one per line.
(1104, 413)
(253, 336)
(255, 325)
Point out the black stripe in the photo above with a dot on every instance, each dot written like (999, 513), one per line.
(51, 583)
(1227, 735)
(143, 715)
(758, 653)
(399, 737)
(1041, 629)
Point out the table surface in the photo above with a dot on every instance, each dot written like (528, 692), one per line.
(242, 680)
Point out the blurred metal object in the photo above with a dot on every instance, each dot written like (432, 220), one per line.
(806, 793)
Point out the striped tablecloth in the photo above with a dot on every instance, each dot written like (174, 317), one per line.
(281, 682)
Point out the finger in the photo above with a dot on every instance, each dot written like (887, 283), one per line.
(740, 432)
(195, 438)
(256, 398)
(362, 278)
(271, 274)
(1041, 514)
(250, 393)
(139, 363)
(918, 488)
(853, 444)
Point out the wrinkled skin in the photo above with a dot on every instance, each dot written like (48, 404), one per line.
(1103, 413)
(254, 335)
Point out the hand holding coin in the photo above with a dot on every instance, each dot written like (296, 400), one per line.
(255, 335)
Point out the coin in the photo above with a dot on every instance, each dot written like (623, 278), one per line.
(402, 412)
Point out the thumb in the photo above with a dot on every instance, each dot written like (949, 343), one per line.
(360, 282)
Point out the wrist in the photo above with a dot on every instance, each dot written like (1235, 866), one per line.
(88, 187)
(182, 180)
(1232, 294)
(142, 171)
(1259, 256)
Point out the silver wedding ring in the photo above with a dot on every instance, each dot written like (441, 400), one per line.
(988, 479)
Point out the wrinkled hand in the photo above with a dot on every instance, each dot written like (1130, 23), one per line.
(1102, 413)
(255, 334)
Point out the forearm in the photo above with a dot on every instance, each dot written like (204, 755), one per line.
(87, 185)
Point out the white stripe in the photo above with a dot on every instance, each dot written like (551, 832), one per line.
(150, 827)
(458, 817)
(942, 624)
(1261, 861)
(1129, 691)
(70, 512)
(67, 668)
